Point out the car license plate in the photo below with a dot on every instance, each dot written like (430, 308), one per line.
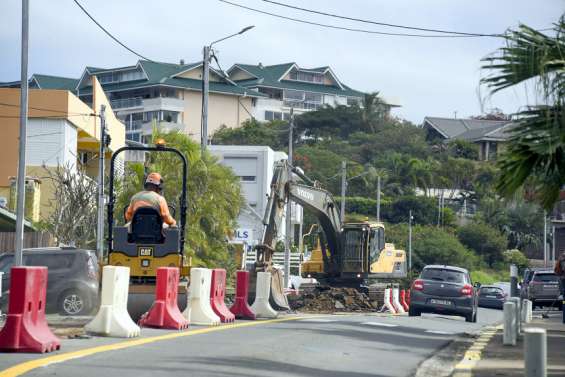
(491, 296)
(145, 251)
(440, 302)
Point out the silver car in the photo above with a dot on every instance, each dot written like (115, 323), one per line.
(543, 289)
(444, 290)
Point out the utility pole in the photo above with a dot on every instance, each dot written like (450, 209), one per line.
(343, 188)
(205, 93)
(289, 230)
(545, 250)
(101, 159)
(378, 198)
(20, 206)
(409, 241)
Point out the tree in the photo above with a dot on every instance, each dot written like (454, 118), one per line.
(373, 111)
(73, 219)
(535, 153)
(214, 198)
(485, 240)
(273, 134)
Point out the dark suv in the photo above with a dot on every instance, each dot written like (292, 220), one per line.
(72, 280)
(444, 290)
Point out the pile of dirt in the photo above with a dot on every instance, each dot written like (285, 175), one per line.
(331, 299)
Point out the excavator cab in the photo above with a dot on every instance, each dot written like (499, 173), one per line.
(145, 245)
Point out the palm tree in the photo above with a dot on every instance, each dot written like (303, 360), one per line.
(373, 111)
(535, 154)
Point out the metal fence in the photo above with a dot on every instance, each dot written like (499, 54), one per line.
(31, 239)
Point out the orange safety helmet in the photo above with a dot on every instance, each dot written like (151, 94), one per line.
(154, 179)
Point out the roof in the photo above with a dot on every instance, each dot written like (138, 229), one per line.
(47, 82)
(470, 129)
(159, 73)
(270, 76)
(8, 221)
(446, 267)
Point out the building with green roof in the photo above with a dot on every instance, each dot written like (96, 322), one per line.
(287, 85)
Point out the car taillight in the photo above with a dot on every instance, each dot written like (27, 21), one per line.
(467, 290)
(418, 285)
(91, 268)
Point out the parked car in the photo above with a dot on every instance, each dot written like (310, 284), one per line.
(72, 278)
(444, 290)
(492, 296)
(526, 278)
(543, 289)
(504, 285)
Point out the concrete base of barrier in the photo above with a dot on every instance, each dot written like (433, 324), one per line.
(198, 310)
(113, 318)
(261, 306)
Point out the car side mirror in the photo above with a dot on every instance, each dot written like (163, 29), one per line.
(477, 284)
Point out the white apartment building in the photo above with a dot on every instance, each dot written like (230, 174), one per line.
(254, 166)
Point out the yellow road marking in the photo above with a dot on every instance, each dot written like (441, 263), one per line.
(19, 369)
(473, 353)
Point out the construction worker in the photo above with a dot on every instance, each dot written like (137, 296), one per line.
(560, 272)
(151, 197)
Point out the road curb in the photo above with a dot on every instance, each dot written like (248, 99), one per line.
(472, 356)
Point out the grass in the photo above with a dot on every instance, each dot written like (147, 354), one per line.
(489, 276)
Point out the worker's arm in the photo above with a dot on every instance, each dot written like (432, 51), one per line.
(165, 214)
(129, 212)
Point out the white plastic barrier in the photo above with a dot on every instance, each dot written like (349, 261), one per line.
(387, 306)
(198, 310)
(526, 311)
(261, 305)
(396, 301)
(113, 318)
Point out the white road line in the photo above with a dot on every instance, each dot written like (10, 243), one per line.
(439, 332)
(318, 320)
(379, 324)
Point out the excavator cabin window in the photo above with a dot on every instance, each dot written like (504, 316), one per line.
(376, 244)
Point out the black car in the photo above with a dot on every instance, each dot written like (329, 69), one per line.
(492, 296)
(444, 290)
(72, 279)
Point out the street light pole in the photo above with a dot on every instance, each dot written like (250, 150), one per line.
(409, 241)
(20, 185)
(289, 230)
(207, 54)
(343, 188)
(101, 159)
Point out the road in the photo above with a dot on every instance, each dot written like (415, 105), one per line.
(339, 345)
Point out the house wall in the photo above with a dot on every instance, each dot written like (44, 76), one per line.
(196, 74)
(222, 110)
(238, 74)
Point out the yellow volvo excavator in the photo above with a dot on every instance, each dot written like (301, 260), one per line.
(350, 254)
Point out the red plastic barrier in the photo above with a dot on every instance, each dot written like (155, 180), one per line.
(164, 312)
(26, 328)
(218, 294)
(392, 300)
(407, 298)
(241, 308)
(403, 299)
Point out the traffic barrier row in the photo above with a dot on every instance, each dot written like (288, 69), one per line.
(396, 301)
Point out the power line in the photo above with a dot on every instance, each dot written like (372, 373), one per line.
(381, 23)
(346, 28)
(48, 110)
(110, 34)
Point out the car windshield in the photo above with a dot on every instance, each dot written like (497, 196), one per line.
(546, 278)
(443, 275)
(490, 291)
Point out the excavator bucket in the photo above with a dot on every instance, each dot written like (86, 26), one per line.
(278, 298)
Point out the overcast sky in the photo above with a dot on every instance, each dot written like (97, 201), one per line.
(433, 77)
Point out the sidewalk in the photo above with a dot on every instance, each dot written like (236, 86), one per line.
(499, 360)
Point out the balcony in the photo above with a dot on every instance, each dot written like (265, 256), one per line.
(163, 103)
(302, 104)
(147, 128)
(126, 103)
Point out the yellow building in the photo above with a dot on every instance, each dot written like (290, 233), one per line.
(62, 130)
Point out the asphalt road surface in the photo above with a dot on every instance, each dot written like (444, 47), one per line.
(338, 345)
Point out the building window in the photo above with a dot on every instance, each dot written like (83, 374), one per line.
(352, 101)
(286, 116)
(273, 115)
(248, 178)
(306, 76)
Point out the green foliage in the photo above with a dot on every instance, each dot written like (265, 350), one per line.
(424, 210)
(488, 276)
(485, 240)
(463, 149)
(536, 147)
(214, 198)
(516, 257)
(273, 134)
